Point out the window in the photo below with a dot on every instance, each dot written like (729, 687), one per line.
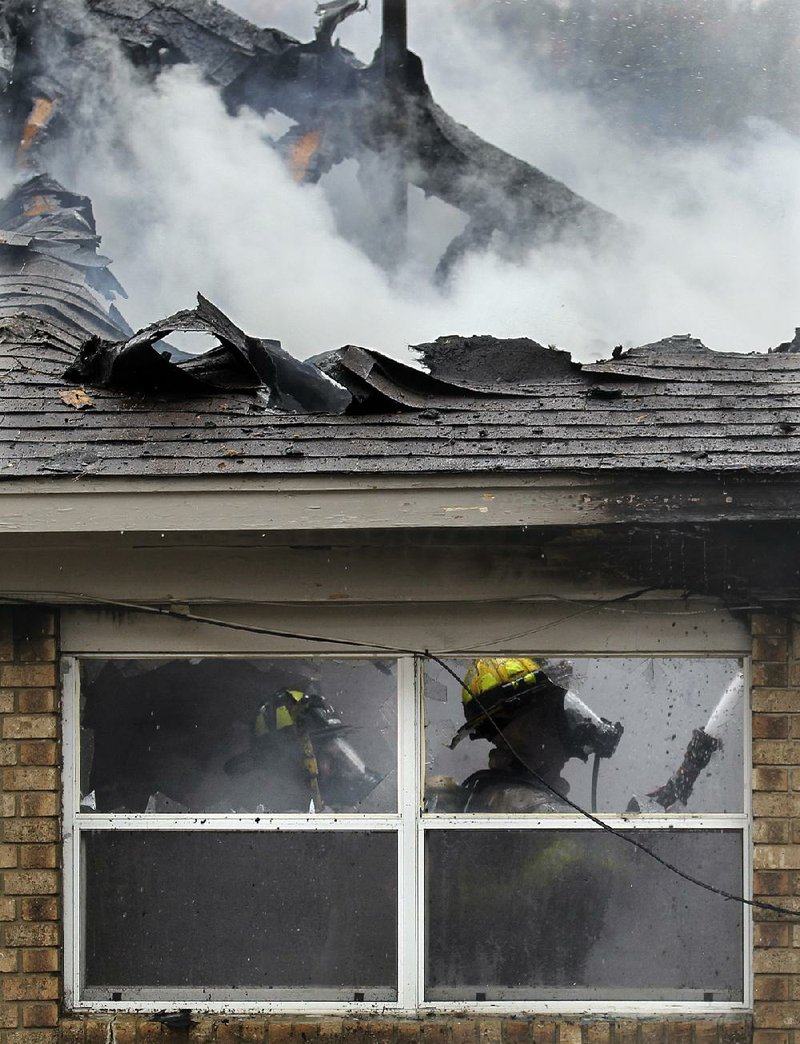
(553, 908)
(345, 832)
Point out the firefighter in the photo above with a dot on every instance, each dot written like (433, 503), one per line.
(548, 906)
(299, 746)
(535, 726)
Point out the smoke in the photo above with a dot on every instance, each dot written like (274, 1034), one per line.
(189, 198)
(197, 200)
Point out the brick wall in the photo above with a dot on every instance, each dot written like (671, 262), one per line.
(776, 804)
(30, 858)
(29, 805)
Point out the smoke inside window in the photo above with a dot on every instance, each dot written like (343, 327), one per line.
(224, 735)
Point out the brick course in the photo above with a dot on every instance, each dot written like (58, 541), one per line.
(441, 1030)
(776, 807)
(30, 857)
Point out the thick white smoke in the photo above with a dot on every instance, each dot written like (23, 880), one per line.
(189, 198)
(198, 201)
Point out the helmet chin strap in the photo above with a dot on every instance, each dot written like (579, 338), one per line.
(310, 765)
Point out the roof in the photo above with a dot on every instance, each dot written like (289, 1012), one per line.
(674, 406)
(84, 396)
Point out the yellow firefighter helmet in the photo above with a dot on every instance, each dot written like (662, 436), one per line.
(498, 688)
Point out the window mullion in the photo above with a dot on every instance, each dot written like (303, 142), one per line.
(747, 830)
(408, 797)
(71, 881)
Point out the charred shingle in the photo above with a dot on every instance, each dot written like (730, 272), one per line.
(49, 260)
(239, 363)
(484, 361)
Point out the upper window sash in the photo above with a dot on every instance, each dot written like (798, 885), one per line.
(222, 736)
(667, 734)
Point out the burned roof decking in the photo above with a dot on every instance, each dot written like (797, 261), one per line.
(688, 410)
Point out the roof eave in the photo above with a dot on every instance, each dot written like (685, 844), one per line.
(314, 502)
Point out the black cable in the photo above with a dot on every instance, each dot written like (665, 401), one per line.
(268, 631)
(595, 775)
(604, 826)
(585, 608)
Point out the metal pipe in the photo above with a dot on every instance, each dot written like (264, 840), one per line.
(394, 47)
(395, 42)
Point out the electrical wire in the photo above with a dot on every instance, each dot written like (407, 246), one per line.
(427, 654)
(12, 597)
(585, 608)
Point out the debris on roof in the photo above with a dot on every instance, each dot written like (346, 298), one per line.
(351, 379)
(246, 408)
(452, 368)
(376, 381)
(475, 361)
(49, 260)
(77, 398)
(789, 346)
(238, 363)
(454, 374)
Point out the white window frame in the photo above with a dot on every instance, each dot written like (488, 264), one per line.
(410, 826)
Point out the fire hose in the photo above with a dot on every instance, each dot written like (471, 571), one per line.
(701, 746)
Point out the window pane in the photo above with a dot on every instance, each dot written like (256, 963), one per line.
(680, 748)
(223, 735)
(251, 915)
(574, 915)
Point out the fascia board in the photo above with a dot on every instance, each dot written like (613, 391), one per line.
(316, 502)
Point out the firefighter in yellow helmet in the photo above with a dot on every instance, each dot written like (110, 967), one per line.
(552, 887)
(300, 743)
(535, 725)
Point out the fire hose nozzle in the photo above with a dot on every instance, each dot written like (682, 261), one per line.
(680, 785)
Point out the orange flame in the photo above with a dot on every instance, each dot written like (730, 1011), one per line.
(301, 153)
(41, 114)
(41, 205)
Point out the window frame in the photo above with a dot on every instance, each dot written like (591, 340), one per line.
(409, 824)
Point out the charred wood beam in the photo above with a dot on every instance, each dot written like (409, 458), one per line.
(328, 92)
(393, 174)
(331, 15)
